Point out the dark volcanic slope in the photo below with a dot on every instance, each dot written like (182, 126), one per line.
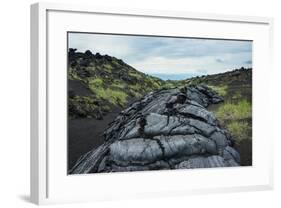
(235, 77)
(166, 129)
(97, 83)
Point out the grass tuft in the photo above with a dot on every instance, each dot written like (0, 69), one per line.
(239, 129)
(116, 97)
(221, 90)
(231, 111)
(236, 117)
(95, 83)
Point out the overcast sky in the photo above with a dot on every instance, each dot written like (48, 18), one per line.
(162, 55)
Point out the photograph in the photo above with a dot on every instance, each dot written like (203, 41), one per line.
(145, 102)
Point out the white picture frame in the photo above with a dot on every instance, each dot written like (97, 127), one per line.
(49, 180)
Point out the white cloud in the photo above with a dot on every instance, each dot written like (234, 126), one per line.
(168, 55)
(196, 65)
(104, 44)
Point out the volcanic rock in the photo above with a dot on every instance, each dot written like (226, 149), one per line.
(165, 129)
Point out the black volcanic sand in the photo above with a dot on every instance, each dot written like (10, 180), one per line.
(79, 87)
(84, 134)
(245, 149)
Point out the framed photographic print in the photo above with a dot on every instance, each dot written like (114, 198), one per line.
(132, 103)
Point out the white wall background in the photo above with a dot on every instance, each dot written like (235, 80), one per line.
(14, 102)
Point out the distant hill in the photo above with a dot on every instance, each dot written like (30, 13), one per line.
(98, 83)
(235, 77)
(229, 84)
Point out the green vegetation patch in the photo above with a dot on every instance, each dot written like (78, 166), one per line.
(95, 83)
(134, 93)
(107, 67)
(136, 75)
(84, 106)
(118, 85)
(236, 117)
(239, 129)
(153, 83)
(237, 96)
(221, 90)
(72, 75)
(116, 97)
(169, 85)
(232, 111)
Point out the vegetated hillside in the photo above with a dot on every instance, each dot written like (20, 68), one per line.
(235, 113)
(99, 83)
